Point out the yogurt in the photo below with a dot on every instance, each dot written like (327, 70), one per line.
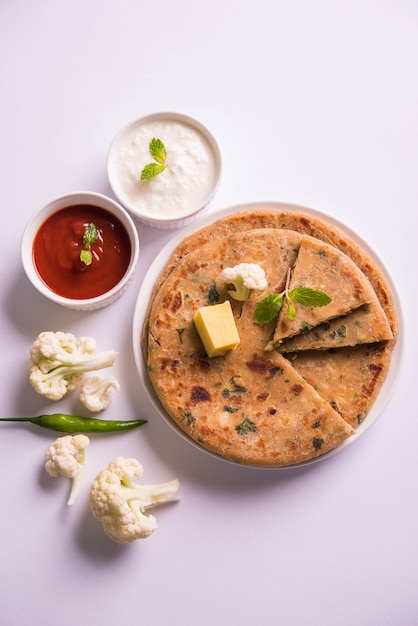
(188, 181)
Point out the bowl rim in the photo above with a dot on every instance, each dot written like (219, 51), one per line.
(53, 206)
(150, 117)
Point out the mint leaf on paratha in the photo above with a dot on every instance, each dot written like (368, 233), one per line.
(309, 297)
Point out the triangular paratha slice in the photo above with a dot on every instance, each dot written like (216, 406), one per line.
(323, 267)
(349, 378)
(367, 324)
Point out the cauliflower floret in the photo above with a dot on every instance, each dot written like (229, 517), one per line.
(58, 361)
(66, 457)
(119, 501)
(244, 276)
(96, 392)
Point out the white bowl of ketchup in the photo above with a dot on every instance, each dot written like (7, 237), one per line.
(80, 250)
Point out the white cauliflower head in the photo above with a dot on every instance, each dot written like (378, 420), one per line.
(58, 360)
(244, 276)
(66, 457)
(119, 501)
(96, 393)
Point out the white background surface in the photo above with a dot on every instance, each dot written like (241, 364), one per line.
(313, 103)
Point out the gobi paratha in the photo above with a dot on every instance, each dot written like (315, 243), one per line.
(249, 406)
(349, 380)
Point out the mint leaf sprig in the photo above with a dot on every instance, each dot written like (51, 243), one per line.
(159, 154)
(90, 236)
(268, 308)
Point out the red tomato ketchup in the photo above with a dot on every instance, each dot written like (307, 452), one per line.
(59, 241)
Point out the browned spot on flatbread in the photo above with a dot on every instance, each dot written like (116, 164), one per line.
(266, 367)
(199, 394)
(376, 369)
(296, 389)
(168, 363)
(204, 365)
(263, 396)
(172, 301)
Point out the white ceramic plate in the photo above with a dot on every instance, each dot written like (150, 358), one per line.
(163, 257)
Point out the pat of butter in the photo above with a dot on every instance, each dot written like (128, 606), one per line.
(217, 329)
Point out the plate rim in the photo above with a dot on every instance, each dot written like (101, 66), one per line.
(153, 271)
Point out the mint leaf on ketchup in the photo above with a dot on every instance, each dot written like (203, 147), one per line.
(89, 238)
(85, 257)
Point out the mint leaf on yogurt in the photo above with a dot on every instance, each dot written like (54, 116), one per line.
(159, 154)
(158, 151)
(151, 170)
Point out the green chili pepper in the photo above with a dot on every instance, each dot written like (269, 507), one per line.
(75, 424)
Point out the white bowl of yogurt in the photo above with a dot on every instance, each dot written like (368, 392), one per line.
(165, 169)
